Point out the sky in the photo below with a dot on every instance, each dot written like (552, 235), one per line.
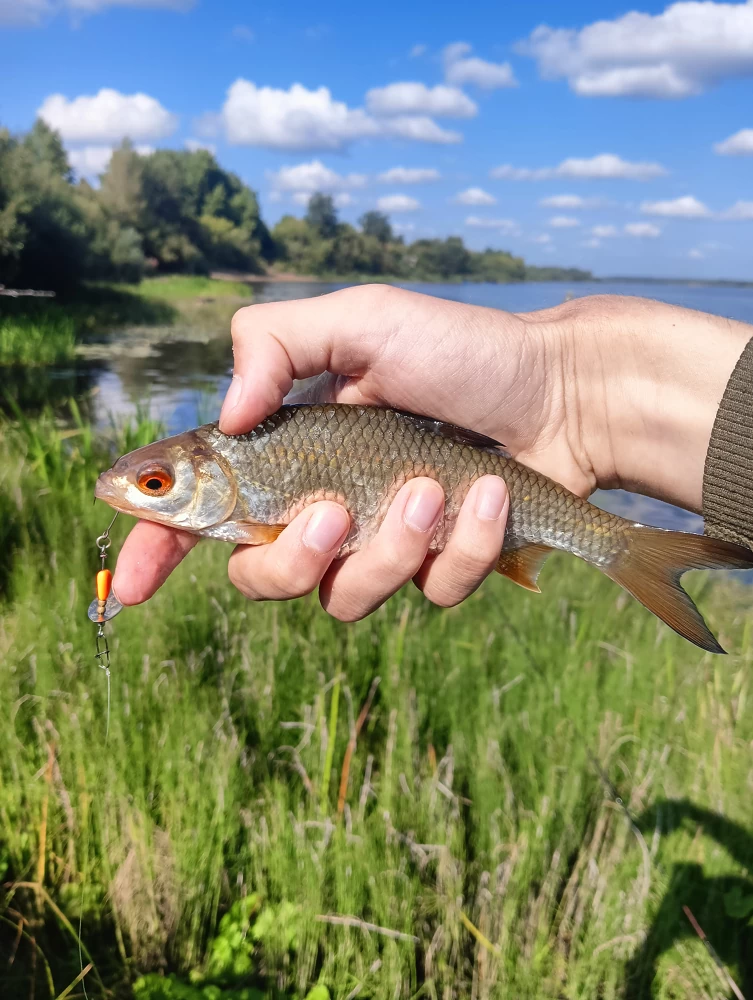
(607, 136)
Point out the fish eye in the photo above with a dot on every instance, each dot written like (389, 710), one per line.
(155, 481)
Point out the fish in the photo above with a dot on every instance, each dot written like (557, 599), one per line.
(246, 488)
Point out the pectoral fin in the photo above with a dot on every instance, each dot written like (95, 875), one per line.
(257, 534)
(523, 566)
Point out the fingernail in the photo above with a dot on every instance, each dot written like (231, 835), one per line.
(490, 499)
(232, 396)
(326, 529)
(423, 508)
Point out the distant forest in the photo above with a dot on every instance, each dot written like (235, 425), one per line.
(180, 212)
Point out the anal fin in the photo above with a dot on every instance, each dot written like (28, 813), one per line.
(523, 566)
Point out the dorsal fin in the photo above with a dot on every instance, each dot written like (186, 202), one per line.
(460, 434)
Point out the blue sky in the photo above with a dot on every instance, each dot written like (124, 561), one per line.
(605, 136)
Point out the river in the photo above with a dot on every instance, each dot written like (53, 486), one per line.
(182, 379)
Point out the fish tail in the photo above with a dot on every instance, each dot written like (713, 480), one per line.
(651, 567)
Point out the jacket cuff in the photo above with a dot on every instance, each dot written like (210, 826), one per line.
(728, 474)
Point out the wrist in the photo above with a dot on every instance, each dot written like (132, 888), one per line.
(641, 386)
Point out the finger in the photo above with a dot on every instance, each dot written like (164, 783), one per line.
(473, 548)
(149, 555)
(275, 342)
(357, 585)
(294, 563)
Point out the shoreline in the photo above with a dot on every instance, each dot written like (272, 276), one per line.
(289, 277)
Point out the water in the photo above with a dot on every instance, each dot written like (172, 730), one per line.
(183, 378)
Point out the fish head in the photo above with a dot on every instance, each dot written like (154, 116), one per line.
(180, 481)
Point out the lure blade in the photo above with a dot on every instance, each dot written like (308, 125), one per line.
(100, 611)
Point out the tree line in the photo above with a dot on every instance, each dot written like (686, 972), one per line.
(179, 212)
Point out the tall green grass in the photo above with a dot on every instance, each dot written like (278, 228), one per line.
(43, 338)
(513, 798)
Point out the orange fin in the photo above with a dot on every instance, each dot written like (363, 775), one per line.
(523, 566)
(257, 534)
(651, 568)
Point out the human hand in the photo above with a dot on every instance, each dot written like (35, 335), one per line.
(564, 389)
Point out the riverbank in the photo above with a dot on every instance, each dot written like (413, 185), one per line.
(50, 331)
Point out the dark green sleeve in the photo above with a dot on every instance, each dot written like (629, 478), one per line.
(728, 476)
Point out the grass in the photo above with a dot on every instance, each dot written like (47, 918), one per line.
(40, 337)
(513, 798)
(178, 287)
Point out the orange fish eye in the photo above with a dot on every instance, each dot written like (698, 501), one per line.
(155, 482)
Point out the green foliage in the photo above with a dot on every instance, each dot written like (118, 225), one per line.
(169, 211)
(377, 224)
(319, 244)
(321, 215)
(154, 987)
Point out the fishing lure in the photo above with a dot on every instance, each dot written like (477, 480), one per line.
(104, 607)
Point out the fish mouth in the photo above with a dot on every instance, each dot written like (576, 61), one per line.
(104, 490)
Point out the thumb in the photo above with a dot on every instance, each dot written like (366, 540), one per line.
(277, 342)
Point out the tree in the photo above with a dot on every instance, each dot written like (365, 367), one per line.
(322, 216)
(376, 224)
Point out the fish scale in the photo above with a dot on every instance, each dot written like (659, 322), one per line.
(247, 488)
(339, 445)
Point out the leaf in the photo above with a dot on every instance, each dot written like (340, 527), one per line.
(737, 904)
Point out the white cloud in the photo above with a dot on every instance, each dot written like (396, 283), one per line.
(409, 175)
(563, 222)
(542, 238)
(603, 232)
(696, 254)
(739, 144)
(291, 119)
(403, 227)
(412, 98)
(314, 176)
(192, 145)
(645, 230)
(675, 54)
(108, 116)
(302, 119)
(91, 161)
(344, 199)
(591, 243)
(508, 226)
(605, 166)
(741, 211)
(563, 201)
(461, 68)
(419, 128)
(31, 13)
(398, 203)
(686, 207)
(417, 51)
(475, 196)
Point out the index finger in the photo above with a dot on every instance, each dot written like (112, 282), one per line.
(277, 342)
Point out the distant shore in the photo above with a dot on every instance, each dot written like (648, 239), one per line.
(281, 277)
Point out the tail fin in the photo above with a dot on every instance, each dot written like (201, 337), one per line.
(651, 568)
